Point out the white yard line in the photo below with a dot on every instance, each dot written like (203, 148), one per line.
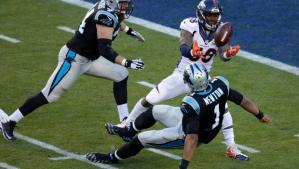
(246, 148)
(146, 84)
(9, 39)
(174, 32)
(66, 29)
(61, 158)
(297, 135)
(61, 151)
(164, 153)
(6, 166)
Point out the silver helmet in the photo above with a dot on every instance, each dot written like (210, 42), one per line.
(196, 76)
(124, 7)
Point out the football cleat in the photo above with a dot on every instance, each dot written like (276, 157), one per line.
(101, 158)
(7, 130)
(6, 126)
(235, 153)
(126, 133)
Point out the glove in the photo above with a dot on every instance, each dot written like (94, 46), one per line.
(196, 50)
(232, 51)
(135, 34)
(136, 64)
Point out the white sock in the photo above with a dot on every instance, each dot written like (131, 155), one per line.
(122, 111)
(137, 110)
(16, 116)
(227, 129)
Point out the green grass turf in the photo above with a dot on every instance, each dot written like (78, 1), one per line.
(75, 123)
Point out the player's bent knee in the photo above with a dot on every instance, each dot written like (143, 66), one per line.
(122, 74)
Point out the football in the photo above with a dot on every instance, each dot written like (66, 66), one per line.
(223, 34)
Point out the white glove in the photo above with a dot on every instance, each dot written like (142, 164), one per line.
(136, 64)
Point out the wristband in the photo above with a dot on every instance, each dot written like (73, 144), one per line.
(123, 62)
(260, 115)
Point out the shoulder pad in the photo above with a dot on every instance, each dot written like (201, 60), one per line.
(189, 24)
(224, 80)
(193, 103)
(106, 18)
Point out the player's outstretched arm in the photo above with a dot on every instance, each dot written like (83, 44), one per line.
(251, 107)
(131, 32)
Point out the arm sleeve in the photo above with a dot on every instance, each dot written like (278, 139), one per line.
(105, 49)
(235, 96)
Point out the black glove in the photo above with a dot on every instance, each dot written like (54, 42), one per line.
(135, 34)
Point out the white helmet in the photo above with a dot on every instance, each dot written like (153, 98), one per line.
(121, 6)
(196, 76)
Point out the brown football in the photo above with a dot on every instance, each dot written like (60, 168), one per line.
(223, 34)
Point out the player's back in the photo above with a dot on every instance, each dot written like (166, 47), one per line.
(210, 104)
(84, 41)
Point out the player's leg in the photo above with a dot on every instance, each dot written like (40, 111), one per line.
(117, 73)
(66, 72)
(170, 87)
(165, 138)
(228, 132)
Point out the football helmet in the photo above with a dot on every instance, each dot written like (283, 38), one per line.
(207, 8)
(124, 7)
(196, 76)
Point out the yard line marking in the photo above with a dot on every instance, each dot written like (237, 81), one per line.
(297, 135)
(66, 29)
(60, 151)
(246, 148)
(5, 165)
(147, 84)
(60, 158)
(9, 39)
(164, 153)
(176, 33)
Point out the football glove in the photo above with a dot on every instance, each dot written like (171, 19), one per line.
(135, 34)
(136, 64)
(232, 51)
(196, 50)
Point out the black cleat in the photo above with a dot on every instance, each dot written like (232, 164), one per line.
(101, 158)
(126, 133)
(7, 130)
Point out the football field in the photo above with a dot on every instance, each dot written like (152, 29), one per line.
(57, 136)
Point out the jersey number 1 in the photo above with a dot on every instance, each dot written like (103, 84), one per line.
(217, 112)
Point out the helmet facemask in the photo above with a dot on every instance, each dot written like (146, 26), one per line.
(121, 7)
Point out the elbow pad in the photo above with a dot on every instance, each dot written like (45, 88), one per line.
(105, 49)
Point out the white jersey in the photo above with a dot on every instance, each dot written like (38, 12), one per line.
(205, 41)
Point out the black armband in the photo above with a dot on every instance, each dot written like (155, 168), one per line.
(184, 164)
(260, 115)
(105, 49)
(235, 96)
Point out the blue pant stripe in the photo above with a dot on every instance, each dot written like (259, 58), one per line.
(171, 144)
(64, 69)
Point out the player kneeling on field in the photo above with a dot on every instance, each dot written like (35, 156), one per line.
(198, 119)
